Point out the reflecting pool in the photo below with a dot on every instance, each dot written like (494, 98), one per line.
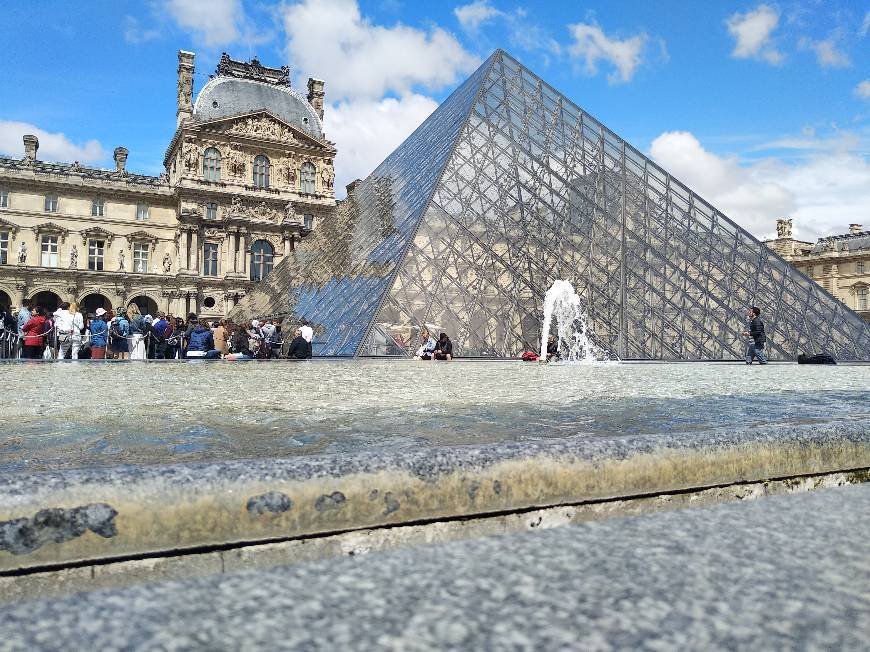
(79, 415)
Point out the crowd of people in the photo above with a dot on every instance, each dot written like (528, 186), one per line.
(127, 334)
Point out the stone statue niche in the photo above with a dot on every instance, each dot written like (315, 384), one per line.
(22, 254)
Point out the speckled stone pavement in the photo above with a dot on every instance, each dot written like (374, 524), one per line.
(781, 573)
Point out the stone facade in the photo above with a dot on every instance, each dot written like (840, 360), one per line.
(839, 263)
(248, 173)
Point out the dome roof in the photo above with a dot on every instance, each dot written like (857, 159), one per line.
(226, 96)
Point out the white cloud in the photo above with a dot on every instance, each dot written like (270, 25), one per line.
(863, 89)
(214, 22)
(52, 146)
(752, 32)
(823, 191)
(865, 26)
(471, 16)
(592, 45)
(827, 53)
(368, 130)
(329, 39)
(135, 33)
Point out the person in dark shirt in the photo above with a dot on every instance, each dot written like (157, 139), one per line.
(552, 349)
(756, 335)
(443, 348)
(298, 347)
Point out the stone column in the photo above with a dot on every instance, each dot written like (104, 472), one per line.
(193, 265)
(245, 246)
(231, 252)
(183, 255)
(288, 245)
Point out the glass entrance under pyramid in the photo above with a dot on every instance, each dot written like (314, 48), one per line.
(509, 186)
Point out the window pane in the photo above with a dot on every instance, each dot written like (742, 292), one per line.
(96, 252)
(142, 212)
(211, 211)
(210, 259)
(261, 172)
(4, 199)
(49, 251)
(211, 164)
(97, 207)
(307, 178)
(308, 221)
(4, 247)
(140, 257)
(51, 203)
(261, 260)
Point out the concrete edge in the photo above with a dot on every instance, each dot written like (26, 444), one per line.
(75, 517)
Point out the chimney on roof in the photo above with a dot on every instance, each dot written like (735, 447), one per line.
(855, 228)
(31, 144)
(316, 95)
(120, 159)
(185, 87)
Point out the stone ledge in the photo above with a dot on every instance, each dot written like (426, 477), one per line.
(782, 573)
(43, 584)
(51, 519)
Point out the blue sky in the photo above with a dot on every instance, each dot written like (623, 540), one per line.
(764, 108)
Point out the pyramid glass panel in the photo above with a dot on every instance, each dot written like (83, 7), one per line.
(509, 186)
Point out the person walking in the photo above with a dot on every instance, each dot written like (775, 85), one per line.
(138, 330)
(756, 335)
(34, 332)
(99, 335)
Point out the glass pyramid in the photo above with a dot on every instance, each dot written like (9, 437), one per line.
(509, 186)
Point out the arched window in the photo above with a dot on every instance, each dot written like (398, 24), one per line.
(261, 259)
(211, 164)
(306, 178)
(261, 172)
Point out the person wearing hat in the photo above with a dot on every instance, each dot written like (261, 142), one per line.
(99, 335)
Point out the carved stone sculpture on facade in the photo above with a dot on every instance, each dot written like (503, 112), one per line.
(74, 257)
(783, 228)
(327, 175)
(167, 263)
(22, 254)
(236, 161)
(122, 265)
(191, 157)
(185, 90)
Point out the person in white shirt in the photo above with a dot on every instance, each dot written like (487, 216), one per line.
(68, 322)
(307, 331)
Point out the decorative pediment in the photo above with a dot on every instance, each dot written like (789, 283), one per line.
(50, 228)
(97, 233)
(262, 125)
(6, 225)
(258, 211)
(143, 236)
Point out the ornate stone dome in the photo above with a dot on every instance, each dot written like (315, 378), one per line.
(227, 96)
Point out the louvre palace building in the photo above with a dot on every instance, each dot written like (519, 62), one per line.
(249, 172)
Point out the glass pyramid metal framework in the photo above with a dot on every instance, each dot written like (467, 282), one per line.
(508, 186)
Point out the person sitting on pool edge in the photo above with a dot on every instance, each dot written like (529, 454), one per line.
(443, 348)
(299, 349)
(427, 345)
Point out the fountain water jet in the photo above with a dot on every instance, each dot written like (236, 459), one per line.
(575, 336)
